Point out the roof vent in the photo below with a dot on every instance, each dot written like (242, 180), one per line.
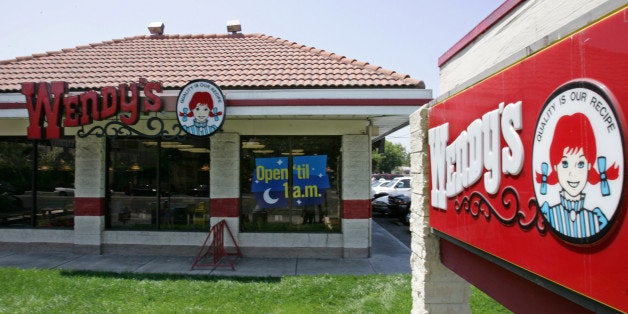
(156, 28)
(234, 26)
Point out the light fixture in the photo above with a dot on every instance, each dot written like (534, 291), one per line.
(198, 150)
(135, 167)
(170, 144)
(253, 145)
(205, 167)
(156, 28)
(234, 26)
(293, 153)
(185, 146)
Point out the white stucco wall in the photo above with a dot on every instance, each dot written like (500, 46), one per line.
(435, 288)
(90, 172)
(535, 24)
(356, 180)
(224, 177)
(356, 167)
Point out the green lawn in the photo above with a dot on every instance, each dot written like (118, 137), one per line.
(57, 291)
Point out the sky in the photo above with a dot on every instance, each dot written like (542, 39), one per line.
(407, 36)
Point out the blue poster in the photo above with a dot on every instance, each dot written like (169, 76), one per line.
(310, 179)
(269, 182)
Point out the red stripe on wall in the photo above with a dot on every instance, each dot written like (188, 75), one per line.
(356, 209)
(224, 207)
(168, 106)
(326, 102)
(89, 206)
(12, 105)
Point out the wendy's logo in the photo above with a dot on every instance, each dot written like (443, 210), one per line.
(201, 108)
(578, 162)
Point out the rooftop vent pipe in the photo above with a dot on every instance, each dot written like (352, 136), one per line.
(234, 26)
(156, 28)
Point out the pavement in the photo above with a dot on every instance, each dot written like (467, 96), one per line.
(389, 256)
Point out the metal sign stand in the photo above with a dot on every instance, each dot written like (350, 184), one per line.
(213, 252)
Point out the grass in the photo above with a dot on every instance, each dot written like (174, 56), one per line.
(59, 291)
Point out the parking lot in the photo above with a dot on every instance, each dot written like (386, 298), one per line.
(395, 227)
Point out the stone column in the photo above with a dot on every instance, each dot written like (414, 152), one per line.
(435, 288)
(89, 200)
(224, 181)
(356, 204)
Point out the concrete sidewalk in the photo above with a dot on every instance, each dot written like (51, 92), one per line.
(389, 256)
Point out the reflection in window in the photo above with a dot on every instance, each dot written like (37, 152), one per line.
(158, 185)
(52, 205)
(290, 184)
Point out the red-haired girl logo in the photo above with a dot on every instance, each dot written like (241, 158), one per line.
(578, 161)
(201, 108)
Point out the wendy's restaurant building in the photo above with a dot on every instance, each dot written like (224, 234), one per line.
(139, 145)
(526, 190)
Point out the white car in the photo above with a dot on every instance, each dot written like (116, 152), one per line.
(378, 185)
(400, 185)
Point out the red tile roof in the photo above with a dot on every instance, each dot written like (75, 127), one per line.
(232, 61)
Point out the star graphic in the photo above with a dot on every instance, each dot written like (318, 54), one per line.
(279, 162)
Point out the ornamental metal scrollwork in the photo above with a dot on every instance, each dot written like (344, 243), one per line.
(115, 129)
(479, 205)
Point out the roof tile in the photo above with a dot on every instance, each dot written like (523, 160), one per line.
(233, 61)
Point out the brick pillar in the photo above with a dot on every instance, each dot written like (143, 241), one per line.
(89, 200)
(435, 288)
(224, 181)
(356, 204)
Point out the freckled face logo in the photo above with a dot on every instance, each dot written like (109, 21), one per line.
(578, 162)
(201, 108)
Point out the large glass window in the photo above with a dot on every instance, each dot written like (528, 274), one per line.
(290, 183)
(158, 185)
(46, 167)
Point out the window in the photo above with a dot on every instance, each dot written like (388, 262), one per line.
(50, 175)
(158, 185)
(290, 184)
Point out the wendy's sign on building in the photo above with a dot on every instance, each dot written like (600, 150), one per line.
(50, 109)
(201, 108)
(533, 173)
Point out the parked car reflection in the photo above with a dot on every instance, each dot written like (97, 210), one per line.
(12, 210)
(64, 191)
(142, 190)
(199, 190)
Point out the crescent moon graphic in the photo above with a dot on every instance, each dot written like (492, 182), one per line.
(268, 199)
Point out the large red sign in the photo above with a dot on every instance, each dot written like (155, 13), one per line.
(533, 172)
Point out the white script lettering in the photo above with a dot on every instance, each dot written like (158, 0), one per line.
(459, 165)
